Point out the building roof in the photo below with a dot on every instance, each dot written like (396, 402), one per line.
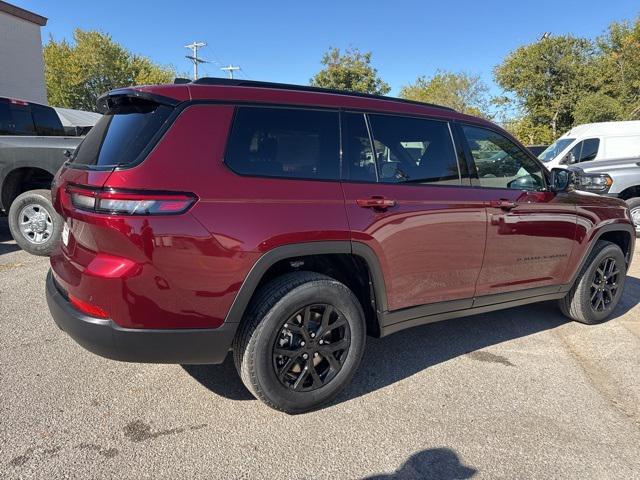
(23, 14)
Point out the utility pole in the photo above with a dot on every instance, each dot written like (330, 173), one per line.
(230, 69)
(194, 58)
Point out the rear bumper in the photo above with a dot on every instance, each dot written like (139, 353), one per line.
(105, 338)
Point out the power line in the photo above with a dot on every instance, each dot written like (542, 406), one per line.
(194, 58)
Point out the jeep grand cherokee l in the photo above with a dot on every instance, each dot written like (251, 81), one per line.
(286, 223)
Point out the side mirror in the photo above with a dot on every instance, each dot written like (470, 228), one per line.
(68, 153)
(562, 180)
(568, 159)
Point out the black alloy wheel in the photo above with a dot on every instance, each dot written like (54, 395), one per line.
(604, 285)
(311, 347)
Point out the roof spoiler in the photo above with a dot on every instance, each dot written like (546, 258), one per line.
(115, 97)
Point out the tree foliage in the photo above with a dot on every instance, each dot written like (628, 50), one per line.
(77, 74)
(548, 78)
(558, 82)
(350, 71)
(464, 92)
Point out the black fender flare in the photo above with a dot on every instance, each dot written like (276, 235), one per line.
(271, 257)
(615, 227)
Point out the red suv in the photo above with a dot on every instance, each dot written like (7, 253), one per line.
(286, 223)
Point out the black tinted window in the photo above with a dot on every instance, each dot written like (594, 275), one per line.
(121, 134)
(501, 163)
(283, 142)
(589, 149)
(15, 119)
(414, 150)
(47, 121)
(358, 154)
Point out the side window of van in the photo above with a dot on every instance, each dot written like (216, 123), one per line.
(285, 142)
(585, 151)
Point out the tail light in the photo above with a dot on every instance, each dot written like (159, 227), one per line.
(115, 202)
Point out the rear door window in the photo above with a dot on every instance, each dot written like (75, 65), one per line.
(46, 121)
(122, 134)
(285, 142)
(413, 150)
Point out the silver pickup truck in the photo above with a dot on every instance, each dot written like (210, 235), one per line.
(615, 178)
(33, 146)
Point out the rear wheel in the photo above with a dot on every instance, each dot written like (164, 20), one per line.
(634, 206)
(301, 341)
(34, 224)
(599, 285)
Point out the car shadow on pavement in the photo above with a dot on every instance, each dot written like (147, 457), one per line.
(432, 464)
(7, 244)
(396, 357)
(221, 379)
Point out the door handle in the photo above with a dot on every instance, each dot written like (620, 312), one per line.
(377, 203)
(503, 203)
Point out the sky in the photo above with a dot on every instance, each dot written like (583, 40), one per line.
(283, 41)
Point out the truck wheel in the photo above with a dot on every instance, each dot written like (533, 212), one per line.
(34, 224)
(599, 286)
(301, 341)
(634, 206)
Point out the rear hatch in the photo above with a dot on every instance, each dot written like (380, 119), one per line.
(103, 229)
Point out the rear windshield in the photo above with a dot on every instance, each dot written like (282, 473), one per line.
(121, 134)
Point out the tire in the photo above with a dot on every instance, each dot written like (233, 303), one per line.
(579, 305)
(46, 226)
(634, 206)
(279, 313)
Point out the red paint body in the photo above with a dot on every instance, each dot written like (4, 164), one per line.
(437, 243)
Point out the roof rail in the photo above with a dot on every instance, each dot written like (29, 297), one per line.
(305, 88)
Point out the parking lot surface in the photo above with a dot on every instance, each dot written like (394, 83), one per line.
(521, 393)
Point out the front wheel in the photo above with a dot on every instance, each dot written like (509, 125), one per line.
(34, 224)
(599, 285)
(634, 206)
(301, 341)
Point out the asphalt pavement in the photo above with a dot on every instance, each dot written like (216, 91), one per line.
(521, 393)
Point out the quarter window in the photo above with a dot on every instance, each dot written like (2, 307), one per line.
(412, 150)
(500, 162)
(285, 142)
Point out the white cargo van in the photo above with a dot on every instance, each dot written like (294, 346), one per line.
(594, 141)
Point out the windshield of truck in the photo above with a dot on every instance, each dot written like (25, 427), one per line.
(553, 150)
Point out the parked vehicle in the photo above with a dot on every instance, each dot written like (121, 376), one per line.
(594, 141)
(33, 146)
(269, 219)
(614, 178)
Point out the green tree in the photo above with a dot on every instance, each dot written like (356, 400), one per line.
(529, 133)
(597, 107)
(77, 74)
(464, 92)
(617, 69)
(547, 79)
(350, 71)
